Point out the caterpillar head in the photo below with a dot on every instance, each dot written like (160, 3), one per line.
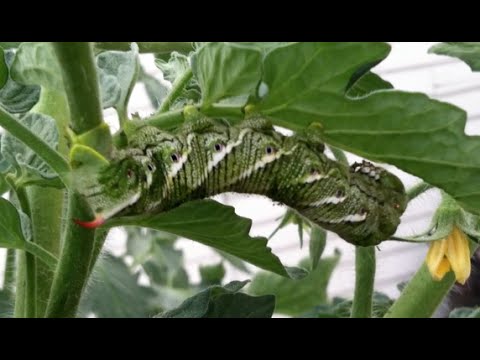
(120, 185)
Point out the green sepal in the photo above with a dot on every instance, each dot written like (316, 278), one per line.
(448, 215)
(95, 139)
(86, 163)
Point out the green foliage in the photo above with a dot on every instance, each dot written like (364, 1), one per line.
(341, 308)
(465, 312)
(17, 98)
(306, 84)
(224, 302)
(293, 217)
(36, 64)
(212, 274)
(156, 91)
(295, 297)
(318, 240)
(20, 156)
(326, 88)
(117, 73)
(12, 232)
(114, 291)
(174, 68)
(367, 84)
(215, 225)
(9, 45)
(469, 52)
(226, 70)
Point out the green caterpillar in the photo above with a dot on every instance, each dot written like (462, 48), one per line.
(161, 170)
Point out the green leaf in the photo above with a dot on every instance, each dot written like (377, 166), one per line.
(465, 312)
(36, 64)
(174, 68)
(341, 308)
(9, 45)
(21, 156)
(14, 97)
(166, 297)
(15, 231)
(117, 72)
(298, 72)
(338, 308)
(367, 84)
(295, 297)
(11, 232)
(212, 274)
(165, 266)
(264, 47)
(114, 291)
(307, 84)
(318, 240)
(215, 225)
(226, 70)
(224, 302)
(155, 251)
(242, 306)
(156, 91)
(380, 304)
(293, 217)
(3, 69)
(469, 52)
(4, 164)
(139, 245)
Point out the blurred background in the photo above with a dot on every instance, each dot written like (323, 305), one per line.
(409, 67)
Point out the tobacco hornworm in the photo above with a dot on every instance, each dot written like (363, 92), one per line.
(161, 170)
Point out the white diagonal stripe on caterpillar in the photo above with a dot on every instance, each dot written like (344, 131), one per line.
(328, 200)
(266, 159)
(349, 218)
(314, 177)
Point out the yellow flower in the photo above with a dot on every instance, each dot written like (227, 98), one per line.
(451, 253)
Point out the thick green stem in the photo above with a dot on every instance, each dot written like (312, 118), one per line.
(234, 113)
(56, 161)
(174, 118)
(9, 278)
(20, 287)
(422, 296)
(74, 264)
(30, 293)
(81, 85)
(100, 237)
(365, 266)
(148, 47)
(177, 88)
(47, 225)
(165, 121)
(29, 272)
